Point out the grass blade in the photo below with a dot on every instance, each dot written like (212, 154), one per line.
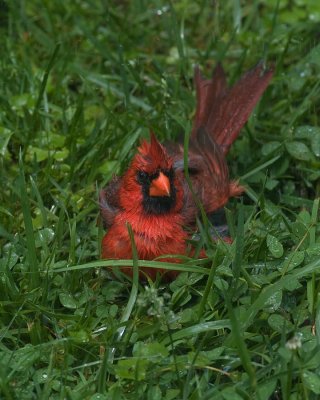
(30, 238)
(109, 356)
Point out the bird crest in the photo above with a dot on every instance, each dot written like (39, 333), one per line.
(152, 155)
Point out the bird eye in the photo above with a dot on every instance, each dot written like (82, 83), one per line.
(142, 177)
(193, 171)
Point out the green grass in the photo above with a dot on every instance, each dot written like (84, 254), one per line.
(80, 83)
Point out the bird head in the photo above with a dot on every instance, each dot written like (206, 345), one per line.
(151, 179)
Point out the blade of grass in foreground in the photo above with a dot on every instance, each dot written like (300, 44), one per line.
(237, 333)
(30, 239)
(314, 219)
(197, 329)
(237, 262)
(129, 263)
(109, 356)
(241, 345)
(46, 77)
(209, 284)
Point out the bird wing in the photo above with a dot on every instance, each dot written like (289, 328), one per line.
(208, 174)
(109, 201)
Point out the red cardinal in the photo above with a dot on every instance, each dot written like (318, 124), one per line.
(153, 195)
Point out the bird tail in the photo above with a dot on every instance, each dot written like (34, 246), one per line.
(223, 111)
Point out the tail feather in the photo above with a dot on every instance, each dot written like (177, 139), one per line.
(209, 93)
(223, 111)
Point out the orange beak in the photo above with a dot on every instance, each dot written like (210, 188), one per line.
(160, 186)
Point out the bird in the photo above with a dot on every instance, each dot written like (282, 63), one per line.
(153, 194)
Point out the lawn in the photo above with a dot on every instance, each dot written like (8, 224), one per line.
(81, 83)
